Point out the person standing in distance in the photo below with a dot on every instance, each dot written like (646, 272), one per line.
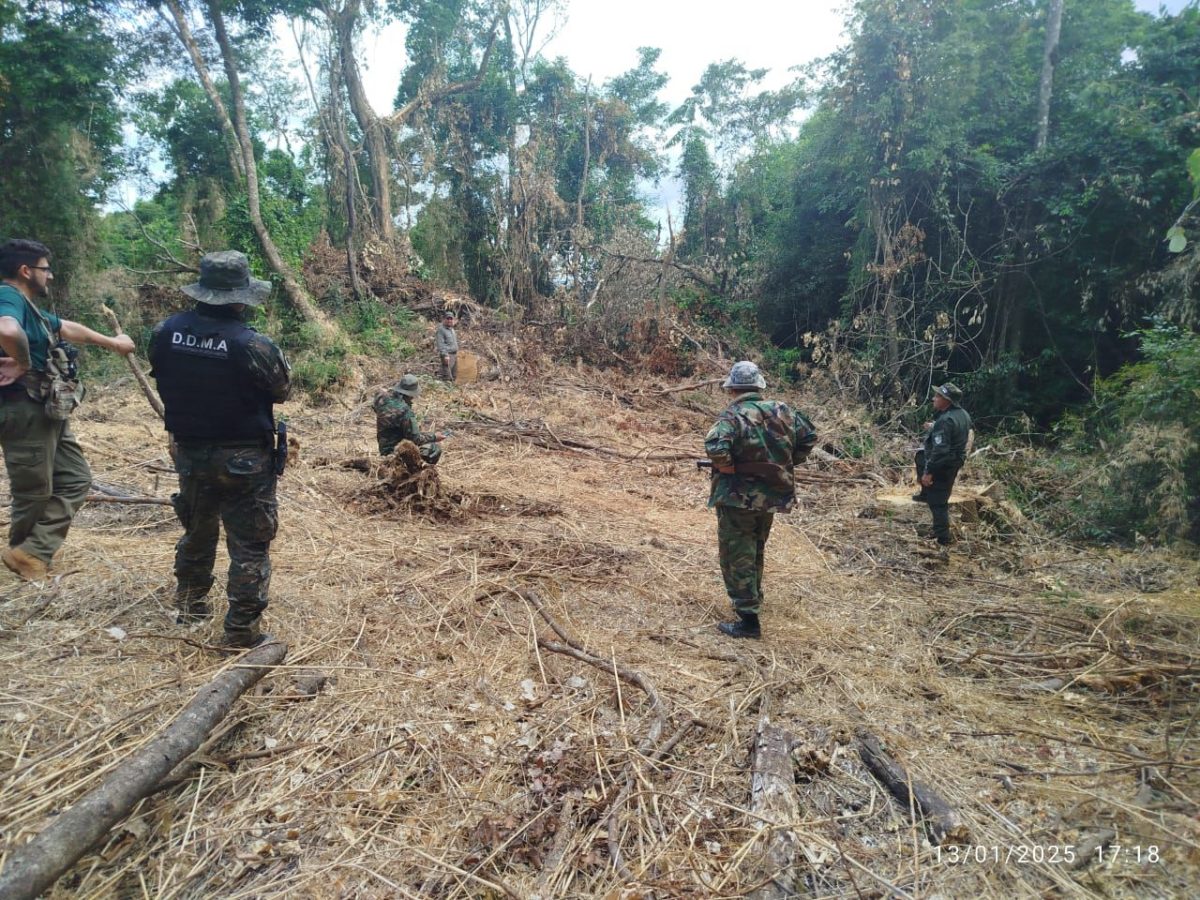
(47, 472)
(943, 454)
(754, 446)
(445, 341)
(219, 380)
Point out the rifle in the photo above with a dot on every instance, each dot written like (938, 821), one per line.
(280, 454)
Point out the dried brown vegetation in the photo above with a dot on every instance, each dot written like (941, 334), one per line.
(526, 696)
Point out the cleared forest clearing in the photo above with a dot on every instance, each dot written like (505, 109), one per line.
(515, 688)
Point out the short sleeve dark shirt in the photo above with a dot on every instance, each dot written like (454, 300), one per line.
(14, 304)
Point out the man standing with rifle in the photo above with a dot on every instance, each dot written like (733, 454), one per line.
(754, 446)
(219, 379)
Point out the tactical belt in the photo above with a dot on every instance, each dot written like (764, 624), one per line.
(232, 445)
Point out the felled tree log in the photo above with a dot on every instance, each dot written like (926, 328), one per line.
(773, 799)
(31, 869)
(945, 825)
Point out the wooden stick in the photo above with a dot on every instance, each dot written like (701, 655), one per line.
(31, 869)
(135, 366)
(773, 799)
(688, 387)
(944, 821)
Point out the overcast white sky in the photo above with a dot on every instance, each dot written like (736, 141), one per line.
(600, 38)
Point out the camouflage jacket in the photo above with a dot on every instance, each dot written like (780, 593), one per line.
(395, 421)
(946, 443)
(766, 436)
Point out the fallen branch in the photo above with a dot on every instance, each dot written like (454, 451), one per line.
(688, 387)
(540, 435)
(944, 821)
(109, 498)
(135, 366)
(31, 869)
(773, 799)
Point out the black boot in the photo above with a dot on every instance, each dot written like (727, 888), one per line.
(242, 633)
(919, 498)
(191, 612)
(745, 627)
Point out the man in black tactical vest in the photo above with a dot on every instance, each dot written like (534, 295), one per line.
(943, 455)
(219, 379)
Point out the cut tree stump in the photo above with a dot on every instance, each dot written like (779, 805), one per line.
(468, 368)
(773, 800)
(945, 825)
(32, 868)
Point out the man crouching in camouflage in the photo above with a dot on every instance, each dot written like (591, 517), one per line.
(754, 447)
(218, 379)
(395, 421)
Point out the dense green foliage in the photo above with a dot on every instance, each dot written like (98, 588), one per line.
(60, 127)
(971, 254)
(1131, 460)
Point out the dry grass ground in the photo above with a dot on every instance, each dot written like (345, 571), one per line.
(461, 749)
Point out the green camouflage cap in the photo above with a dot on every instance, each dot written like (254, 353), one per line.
(408, 386)
(225, 280)
(745, 375)
(950, 391)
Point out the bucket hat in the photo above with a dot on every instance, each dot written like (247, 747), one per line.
(746, 376)
(225, 279)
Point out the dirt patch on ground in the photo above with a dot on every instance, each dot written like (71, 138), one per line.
(484, 731)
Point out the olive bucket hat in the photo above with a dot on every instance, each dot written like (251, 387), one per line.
(225, 279)
(408, 386)
(950, 391)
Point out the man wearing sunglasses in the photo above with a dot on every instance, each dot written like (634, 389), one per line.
(47, 472)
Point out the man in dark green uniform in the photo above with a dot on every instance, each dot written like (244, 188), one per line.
(219, 379)
(395, 421)
(47, 472)
(943, 455)
(754, 446)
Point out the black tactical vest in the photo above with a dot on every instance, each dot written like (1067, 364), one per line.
(200, 364)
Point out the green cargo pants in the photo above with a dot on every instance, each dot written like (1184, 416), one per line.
(48, 475)
(742, 539)
(236, 486)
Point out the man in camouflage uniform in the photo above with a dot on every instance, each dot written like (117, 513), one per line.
(395, 421)
(219, 379)
(943, 455)
(754, 446)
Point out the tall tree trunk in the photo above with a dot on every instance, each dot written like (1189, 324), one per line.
(339, 152)
(374, 133)
(291, 285)
(184, 32)
(1049, 58)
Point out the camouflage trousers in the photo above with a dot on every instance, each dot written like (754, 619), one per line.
(742, 539)
(47, 474)
(234, 485)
